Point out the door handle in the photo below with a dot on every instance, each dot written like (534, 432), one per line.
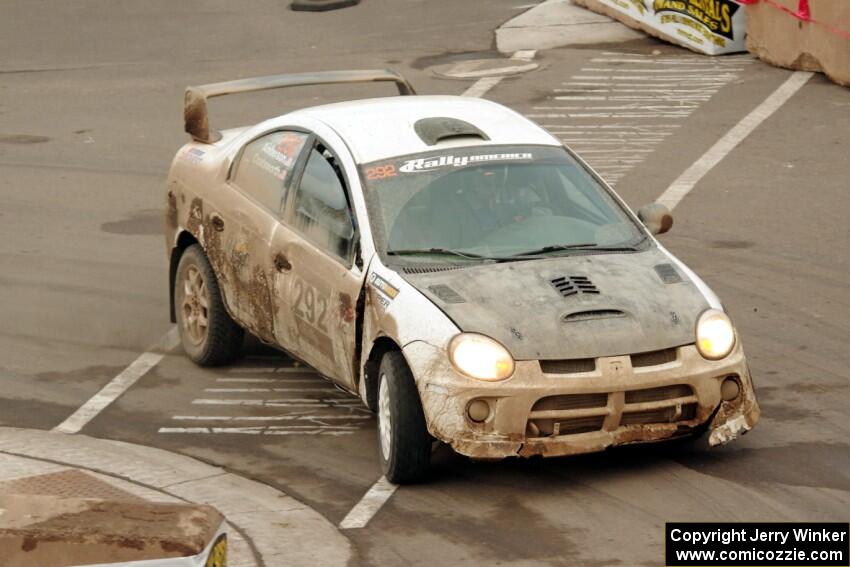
(281, 264)
(217, 222)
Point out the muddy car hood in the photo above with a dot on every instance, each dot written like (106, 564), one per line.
(626, 303)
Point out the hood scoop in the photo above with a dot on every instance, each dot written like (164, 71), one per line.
(446, 294)
(573, 285)
(668, 273)
(569, 307)
(592, 314)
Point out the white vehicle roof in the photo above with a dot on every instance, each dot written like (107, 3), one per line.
(380, 128)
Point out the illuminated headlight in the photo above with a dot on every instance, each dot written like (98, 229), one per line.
(480, 357)
(715, 334)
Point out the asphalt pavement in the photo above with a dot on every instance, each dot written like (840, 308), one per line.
(91, 115)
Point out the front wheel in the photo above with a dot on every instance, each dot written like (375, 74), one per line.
(404, 445)
(208, 334)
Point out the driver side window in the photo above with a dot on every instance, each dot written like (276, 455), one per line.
(320, 209)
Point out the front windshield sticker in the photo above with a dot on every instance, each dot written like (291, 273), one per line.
(381, 172)
(427, 164)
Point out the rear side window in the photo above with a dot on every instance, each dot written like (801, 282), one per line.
(320, 208)
(264, 170)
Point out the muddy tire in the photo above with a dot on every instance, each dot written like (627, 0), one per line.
(208, 334)
(404, 445)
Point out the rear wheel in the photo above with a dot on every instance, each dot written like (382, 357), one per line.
(404, 445)
(208, 334)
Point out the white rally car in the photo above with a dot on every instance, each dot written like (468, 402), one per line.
(456, 267)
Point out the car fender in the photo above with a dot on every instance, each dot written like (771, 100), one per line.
(396, 311)
(710, 297)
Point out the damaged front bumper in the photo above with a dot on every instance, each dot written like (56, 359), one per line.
(572, 409)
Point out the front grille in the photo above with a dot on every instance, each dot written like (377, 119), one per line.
(571, 426)
(661, 415)
(659, 394)
(571, 401)
(572, 285)
(567, 415)
(571, 414)
(568, 366)
(667, 404)
(653, 358)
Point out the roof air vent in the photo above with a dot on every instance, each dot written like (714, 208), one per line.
(433, 130)
(572, 285)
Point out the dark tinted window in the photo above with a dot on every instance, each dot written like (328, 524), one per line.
(320, 209)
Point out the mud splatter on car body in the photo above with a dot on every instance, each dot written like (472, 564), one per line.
(616, 365)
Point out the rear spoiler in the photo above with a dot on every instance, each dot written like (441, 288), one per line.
(195, 106)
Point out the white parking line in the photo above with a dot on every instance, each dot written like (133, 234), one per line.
(268, 380)
(119, 384)
(674, 194)
(275, 370)
(319, 402)
(710, 63)
(480, 87)
(334, 430)
(672, 71)
(369, 505)
(647, 102)
(288, 417)
(248, 390)
(310, 407)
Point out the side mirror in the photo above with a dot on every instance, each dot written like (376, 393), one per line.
(656, 217)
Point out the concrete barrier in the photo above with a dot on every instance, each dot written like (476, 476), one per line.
(806, 35)
(712, 27)
(41, 526)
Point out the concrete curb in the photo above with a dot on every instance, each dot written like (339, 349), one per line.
(280, 529)
(560, 23)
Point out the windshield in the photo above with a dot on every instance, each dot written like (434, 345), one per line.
(492, 202)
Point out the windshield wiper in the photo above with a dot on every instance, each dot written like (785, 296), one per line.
(442, 251)
(581, 246)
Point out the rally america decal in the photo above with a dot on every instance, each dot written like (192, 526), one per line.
(431, 163)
